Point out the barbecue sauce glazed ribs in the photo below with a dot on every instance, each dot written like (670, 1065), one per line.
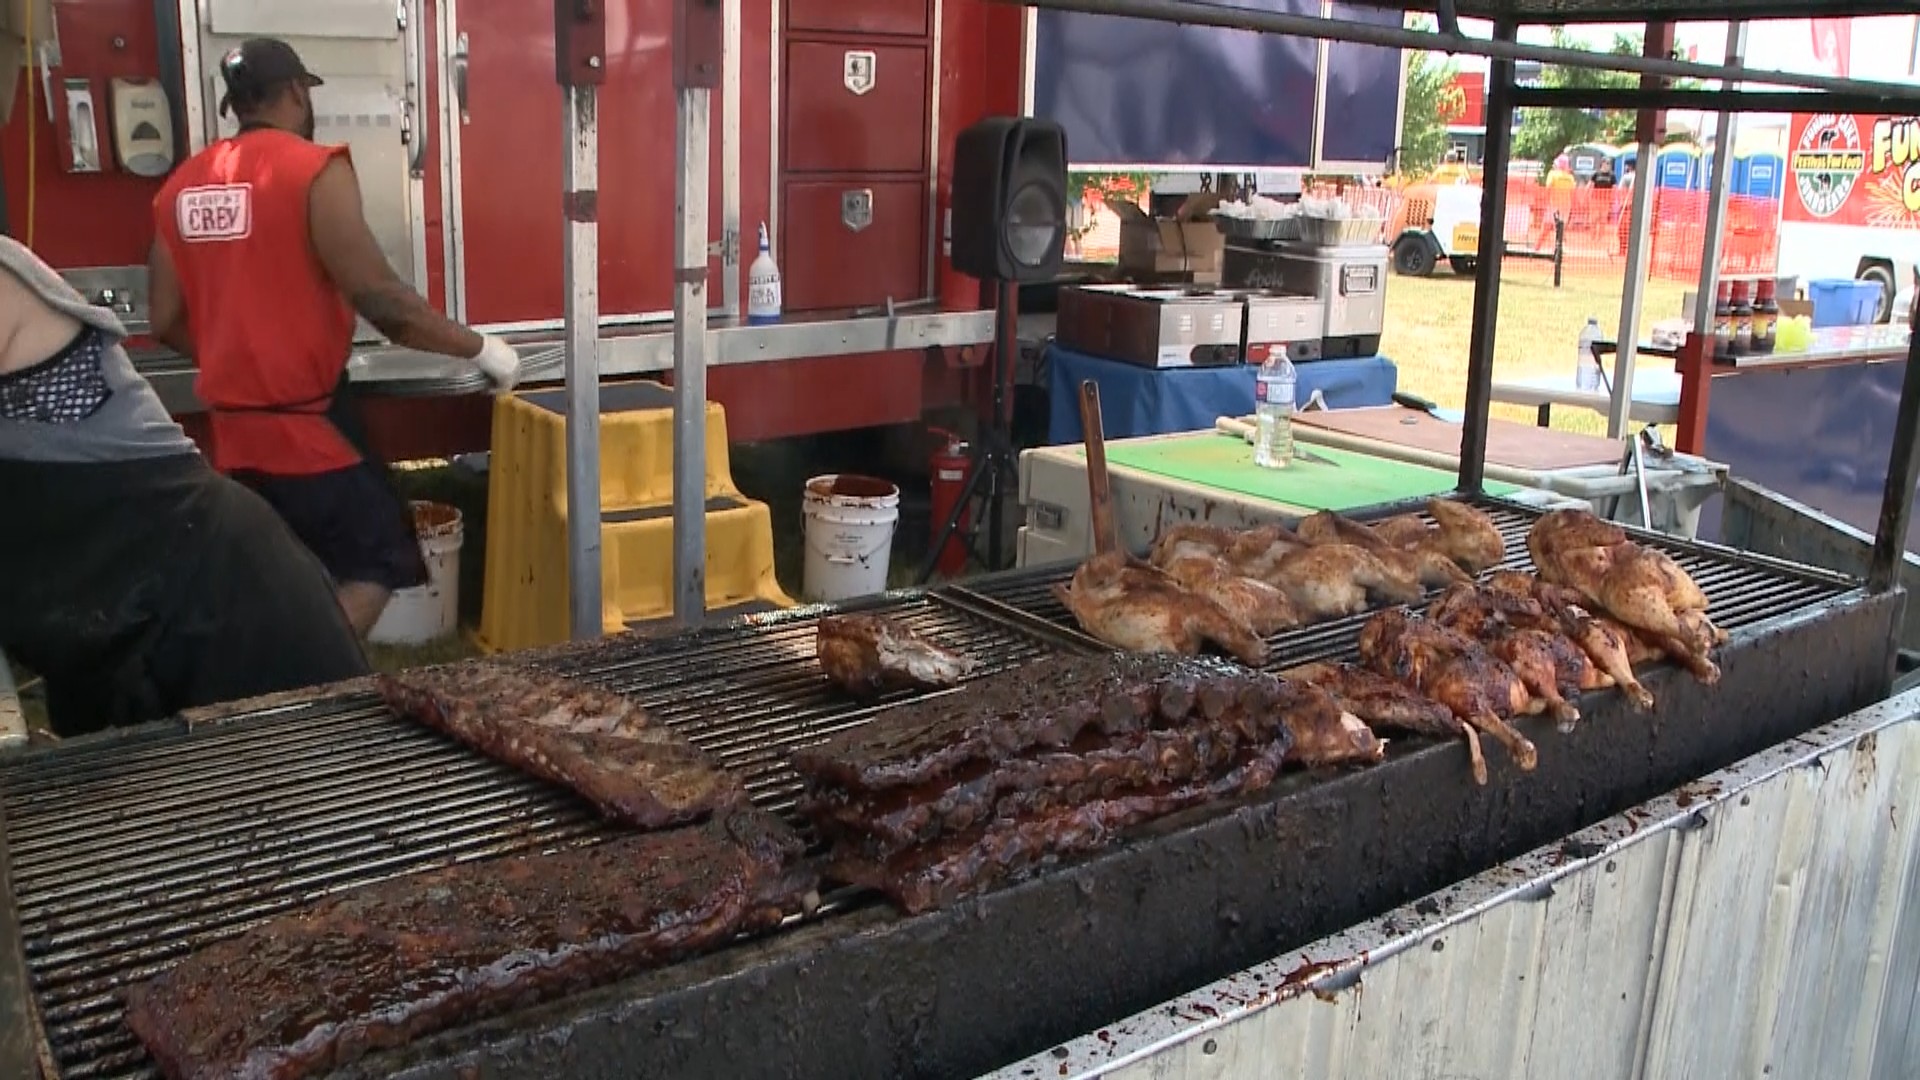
(938, 799)
(604, 747)
(381, 966)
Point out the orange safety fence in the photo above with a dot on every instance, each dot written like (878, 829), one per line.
(1599, 221)
(1595, 242)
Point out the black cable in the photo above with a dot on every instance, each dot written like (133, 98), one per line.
(173, 77)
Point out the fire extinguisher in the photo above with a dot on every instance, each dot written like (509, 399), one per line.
(950, 467)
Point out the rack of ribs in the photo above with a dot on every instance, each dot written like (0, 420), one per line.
(938, 799)
(604, 747)
(869, 655)
(383, 965)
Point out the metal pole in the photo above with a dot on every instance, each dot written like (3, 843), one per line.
(1486, 284)
(733, 234)
(1006, 355)
(1717, 195)
(700, 51)
(1639, 241)
(1197, 13)
(1903, 470)
(1559, 246)
(690, 360)
(582, 279)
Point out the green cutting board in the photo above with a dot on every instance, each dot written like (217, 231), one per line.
(1226, 463)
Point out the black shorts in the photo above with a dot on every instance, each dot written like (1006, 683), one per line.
(352, 520)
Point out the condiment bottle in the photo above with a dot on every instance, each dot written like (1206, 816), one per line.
(1766, 315)
(1742, 320)
(1723, 322)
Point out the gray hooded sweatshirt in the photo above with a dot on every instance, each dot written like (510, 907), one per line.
(88, 405)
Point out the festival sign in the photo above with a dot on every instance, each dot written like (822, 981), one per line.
(1854, 170)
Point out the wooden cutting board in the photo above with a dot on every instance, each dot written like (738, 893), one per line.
(1517, 446)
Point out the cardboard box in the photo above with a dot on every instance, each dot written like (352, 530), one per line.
(1188, 242)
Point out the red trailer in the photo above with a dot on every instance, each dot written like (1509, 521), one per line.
(833, 123)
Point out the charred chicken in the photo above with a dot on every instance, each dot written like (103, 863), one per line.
(1453, 670)
(1385, 705)
(868, 655)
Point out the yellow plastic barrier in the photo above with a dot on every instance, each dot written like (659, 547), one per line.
(525, 603)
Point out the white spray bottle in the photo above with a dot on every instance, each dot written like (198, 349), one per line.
(763, 285)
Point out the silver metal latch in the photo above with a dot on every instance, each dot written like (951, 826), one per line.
(856, 208)
(727, 248)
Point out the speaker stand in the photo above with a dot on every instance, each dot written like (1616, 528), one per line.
(994, 460)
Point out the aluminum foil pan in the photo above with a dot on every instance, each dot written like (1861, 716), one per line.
(397, 372)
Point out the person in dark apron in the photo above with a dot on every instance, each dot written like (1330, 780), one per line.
(355, 520)
(261, 262)
(137, 581)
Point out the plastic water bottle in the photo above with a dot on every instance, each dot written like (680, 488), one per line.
(1586, 373)
(763, 285)
(1273, 391)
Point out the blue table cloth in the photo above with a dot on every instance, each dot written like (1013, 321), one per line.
(1137, 401)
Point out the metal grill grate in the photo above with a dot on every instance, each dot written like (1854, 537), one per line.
(1741, 590)
(130, 853)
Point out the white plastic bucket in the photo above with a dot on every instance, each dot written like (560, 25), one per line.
(432, 611)
(849, 525)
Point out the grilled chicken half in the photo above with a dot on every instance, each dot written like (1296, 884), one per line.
(868, 655)
(1423, 561)
(1383, 704)
(1327, 581)
(1255, 603)
(1467, 535)
(1638, 585)
(1516, 628)
(1612, 647)
(1135, 606)
(1453, 670)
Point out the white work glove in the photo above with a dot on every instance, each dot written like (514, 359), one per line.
(500, 361)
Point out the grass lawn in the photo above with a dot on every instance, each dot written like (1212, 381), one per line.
(1430, 321)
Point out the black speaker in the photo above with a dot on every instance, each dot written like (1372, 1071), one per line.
(1010, 199)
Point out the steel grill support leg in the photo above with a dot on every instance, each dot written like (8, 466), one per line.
(690, 363)
(1486, 285)
(698, 58)
(582, 275)
(1659, 41)
(1903, 470)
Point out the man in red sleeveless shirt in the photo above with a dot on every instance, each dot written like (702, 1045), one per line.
(261, 258)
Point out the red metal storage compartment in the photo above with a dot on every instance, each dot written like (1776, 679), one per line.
(858, 17)
(829, 127)
(825, 263)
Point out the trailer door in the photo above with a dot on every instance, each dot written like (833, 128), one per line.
(507, 140)
(367, 51)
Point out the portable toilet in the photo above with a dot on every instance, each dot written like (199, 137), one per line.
(1678, 166)
(1761, 176)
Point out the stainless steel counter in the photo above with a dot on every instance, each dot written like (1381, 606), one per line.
(394, 371)
(1833, 345)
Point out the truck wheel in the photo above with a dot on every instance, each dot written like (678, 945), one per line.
(1463, 265)
(1881, 274)
(1413, 256)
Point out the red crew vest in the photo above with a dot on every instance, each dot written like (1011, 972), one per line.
(269, 328)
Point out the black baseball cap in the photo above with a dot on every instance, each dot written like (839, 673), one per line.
(259, 66)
